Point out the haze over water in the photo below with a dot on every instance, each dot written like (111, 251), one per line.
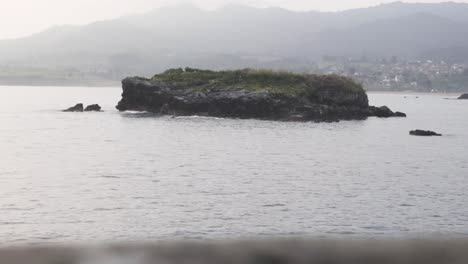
(78, 177)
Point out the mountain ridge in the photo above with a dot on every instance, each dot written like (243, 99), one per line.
(244, 37)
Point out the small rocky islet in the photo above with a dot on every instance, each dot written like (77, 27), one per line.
(424, 133)
(250, 94)
(93, 108)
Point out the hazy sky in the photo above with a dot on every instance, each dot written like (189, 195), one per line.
(23, 17)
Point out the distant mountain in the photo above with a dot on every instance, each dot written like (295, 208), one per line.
(448, 10)
(240, 36)
(409, 37)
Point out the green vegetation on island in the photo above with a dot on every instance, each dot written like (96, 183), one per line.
(252, 79)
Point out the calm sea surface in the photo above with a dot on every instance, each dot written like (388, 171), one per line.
(99, 177)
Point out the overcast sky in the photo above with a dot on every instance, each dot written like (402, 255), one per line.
(23, 17)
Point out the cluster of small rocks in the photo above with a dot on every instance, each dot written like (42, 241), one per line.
(428, 133)
(80, 108)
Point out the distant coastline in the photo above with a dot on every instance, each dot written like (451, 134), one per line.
(40, 81)
(409, 92)
(58, 82)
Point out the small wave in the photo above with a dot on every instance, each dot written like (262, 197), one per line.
(51, 237)
(108, 209)
(140, 198)
(110, 177)
(199, 117)
(376, 228)
(406, 205)
(341, 233)
(15, 209)
(136, 112)
(274, 205)
(12, 223)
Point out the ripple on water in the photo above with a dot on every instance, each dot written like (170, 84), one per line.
(274, 205)
(406, 205)
(15, 209)
(12, 223)
(110, 177)
(108, 209)
(123, 171)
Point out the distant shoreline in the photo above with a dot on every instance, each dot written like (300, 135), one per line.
(413, 93)
(64, 83)
(105, 84)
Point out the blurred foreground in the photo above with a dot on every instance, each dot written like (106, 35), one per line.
(276, 252)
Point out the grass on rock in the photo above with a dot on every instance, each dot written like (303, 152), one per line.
(250, 79)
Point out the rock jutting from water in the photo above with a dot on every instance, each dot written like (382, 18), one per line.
(93, 108)
(258, 94)
(463, 97)
(76, 108)
(424, 133)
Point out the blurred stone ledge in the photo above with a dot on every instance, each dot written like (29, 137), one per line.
(248, 252)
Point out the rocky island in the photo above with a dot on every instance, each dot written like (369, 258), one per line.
(259, 94)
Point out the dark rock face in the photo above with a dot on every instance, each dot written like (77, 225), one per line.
(326, 106)
(76, 108)
(384, 112)
(424, 133)
(93, 108)
(463, 97)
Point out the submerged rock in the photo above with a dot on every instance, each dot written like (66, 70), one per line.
(76, 108)
(94, 107)
(249, 94)
(424, 133)
(463, 97)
